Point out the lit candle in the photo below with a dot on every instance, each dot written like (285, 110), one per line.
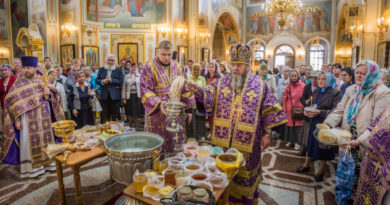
(311, 101)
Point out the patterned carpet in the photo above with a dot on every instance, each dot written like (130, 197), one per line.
(281, 184)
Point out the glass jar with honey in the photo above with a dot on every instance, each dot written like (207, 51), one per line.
(163, 164)
(139, 181)
(169, 177)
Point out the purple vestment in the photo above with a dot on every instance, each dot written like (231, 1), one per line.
(375, 169)
(241, 119)
(155, 84)
(26, 97)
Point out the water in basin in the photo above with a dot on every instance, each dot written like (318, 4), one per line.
(134, 143)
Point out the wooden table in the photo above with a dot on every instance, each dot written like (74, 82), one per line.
(129, 191)
(75, 161)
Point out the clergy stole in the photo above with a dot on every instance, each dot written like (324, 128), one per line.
(236, 116)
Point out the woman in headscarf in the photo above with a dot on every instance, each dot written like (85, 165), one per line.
(360, 105)
(326, 98)
(291, 101)
(306, 100)
(212, 74)
(283, 82)
(268, 78)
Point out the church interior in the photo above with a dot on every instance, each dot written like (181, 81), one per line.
(317, 34)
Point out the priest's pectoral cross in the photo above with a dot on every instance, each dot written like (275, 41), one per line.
(251, 95)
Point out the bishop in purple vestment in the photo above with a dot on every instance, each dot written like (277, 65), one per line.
(27, 121)
(244, 111)
(374, 183)
(156, 80)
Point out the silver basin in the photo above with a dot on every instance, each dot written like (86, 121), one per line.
(128, 152)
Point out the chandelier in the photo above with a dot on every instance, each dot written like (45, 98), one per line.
(283, 9)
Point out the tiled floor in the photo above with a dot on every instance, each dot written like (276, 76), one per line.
(281, 184)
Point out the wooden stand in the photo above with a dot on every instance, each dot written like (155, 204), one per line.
(75, 161)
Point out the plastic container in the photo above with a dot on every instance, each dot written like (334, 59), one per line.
(181, 179)
(191, 147)
(151, 191)
(203, 184)
(192, 167)
(204, 152)
(199, 177)
(211, 165)
(176, 164)
(219, 180)
(201, 195)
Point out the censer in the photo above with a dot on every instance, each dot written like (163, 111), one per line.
(175, 111)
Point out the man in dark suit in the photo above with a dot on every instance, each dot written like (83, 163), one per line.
(110, 78)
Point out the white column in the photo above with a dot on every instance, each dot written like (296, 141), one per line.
(243, 30)
(333, 32)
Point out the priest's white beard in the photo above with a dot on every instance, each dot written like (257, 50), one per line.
(238, 80)
(109, 67)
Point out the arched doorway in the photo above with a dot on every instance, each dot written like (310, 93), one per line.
(285, 55)
(225, 35)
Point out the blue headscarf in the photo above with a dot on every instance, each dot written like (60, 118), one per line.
(330, 80)
(371, 82)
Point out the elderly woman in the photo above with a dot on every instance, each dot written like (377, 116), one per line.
(79, 101)
(326, 97)
(306, 100)
(6, 81)
(292, 103)
(90, 79)
(223, 69)
(283, 82)
(360, 105)
(131, 96)
(52, 76)
(268, 78)
(197, 127)
(60, 78)
(385, 76)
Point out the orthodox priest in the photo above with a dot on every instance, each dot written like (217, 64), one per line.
(27, 121)
(244, 110)
(156, 80)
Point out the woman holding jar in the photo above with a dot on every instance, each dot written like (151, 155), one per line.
(326, 98)
(360, 105)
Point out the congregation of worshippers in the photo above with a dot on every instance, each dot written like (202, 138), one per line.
(169, 104)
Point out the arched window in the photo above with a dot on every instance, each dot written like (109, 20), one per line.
(285, 50)
(284, 55)
(317, 56)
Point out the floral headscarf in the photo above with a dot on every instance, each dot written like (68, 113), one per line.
(371, 82)
(330, 80)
